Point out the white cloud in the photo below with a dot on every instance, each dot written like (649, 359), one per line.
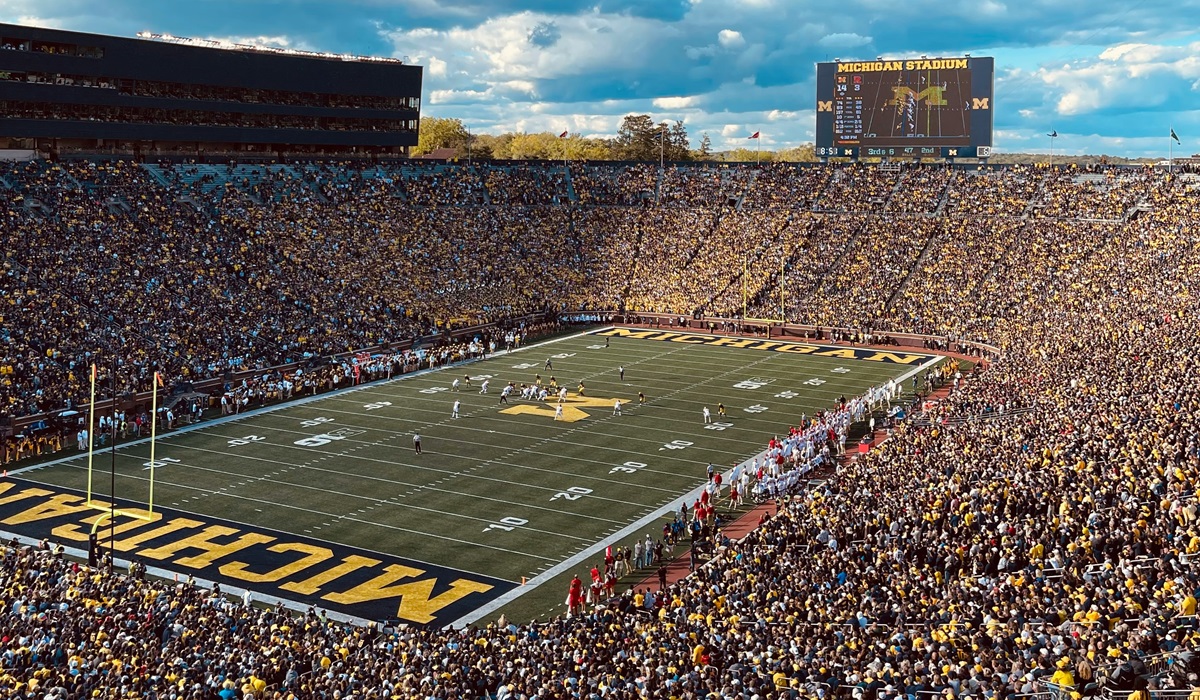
(731, 39)
(436, 67)
(1126, 76)
(441, 97)
(730, 129)
(674, 102)
(777, 115)
(844, 40)
(48, 23)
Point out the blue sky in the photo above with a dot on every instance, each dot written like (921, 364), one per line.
(1110, 77)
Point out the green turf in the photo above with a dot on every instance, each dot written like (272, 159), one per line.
(446, 506)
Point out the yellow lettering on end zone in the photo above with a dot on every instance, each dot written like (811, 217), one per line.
(845, 353)
(664, 336)
(76, 533)
(797, 349)
(175, 525)
(203, 541)
(313, 555)
(313, 584)
(627, 333)
(416, 603)
(692, 339)
(734, 342)
(893, 357)
(56, 506)
(20, 496)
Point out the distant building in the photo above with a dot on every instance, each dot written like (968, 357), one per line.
(65, 92)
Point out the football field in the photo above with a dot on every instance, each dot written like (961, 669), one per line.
(324, 501)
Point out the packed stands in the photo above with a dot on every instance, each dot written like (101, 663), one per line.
(1033, 537)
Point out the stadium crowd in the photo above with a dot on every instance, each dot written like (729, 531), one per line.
(1034, 537)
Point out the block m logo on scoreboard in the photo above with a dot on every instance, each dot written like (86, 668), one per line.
(980, 102)
(932, 95)
(824, 105)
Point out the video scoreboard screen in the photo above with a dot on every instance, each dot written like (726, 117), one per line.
(913, 108)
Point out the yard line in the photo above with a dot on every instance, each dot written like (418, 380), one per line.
(390, 501)
(461, 426)
(395, 462)
(251, 499)
(534, 438)
(371, 477)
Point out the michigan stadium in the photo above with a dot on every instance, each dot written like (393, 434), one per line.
(307, 394)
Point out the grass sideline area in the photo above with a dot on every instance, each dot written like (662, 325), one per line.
(325, 501)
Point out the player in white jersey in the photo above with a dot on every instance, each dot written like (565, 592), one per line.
(504, 393)
(454, 412)
(558, 413)
(617, 407)
(543, 394)
(484, 387)
(454, 384)
(707, 416)
(562, 394)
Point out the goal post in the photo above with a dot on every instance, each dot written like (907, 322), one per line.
(108, 510)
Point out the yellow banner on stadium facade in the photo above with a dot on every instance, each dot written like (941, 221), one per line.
(366, 584)
(843, 353)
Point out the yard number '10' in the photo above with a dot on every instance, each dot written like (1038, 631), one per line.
(506, 524)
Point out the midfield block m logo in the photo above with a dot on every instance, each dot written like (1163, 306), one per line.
(572, 407)
(932, 95)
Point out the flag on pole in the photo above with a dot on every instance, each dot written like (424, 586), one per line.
(1053, 134)
(563, 135)
(1174, 136)
(158, 378)
(93, 373)
(753, 136)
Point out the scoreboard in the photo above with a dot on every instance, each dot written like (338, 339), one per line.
(912, 108)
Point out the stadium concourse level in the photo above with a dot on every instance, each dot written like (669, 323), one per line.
(990, 553)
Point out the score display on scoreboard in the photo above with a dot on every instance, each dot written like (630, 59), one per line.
(911, 108)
